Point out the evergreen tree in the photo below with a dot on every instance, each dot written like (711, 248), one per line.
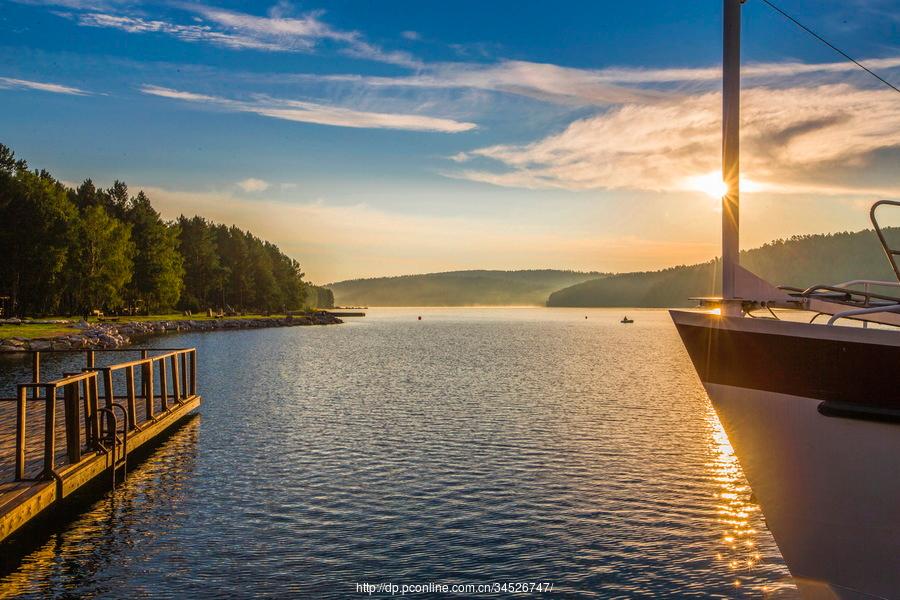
(36, 214)
(158, 265)
(100, 264)
(203, 270)
(74, 250)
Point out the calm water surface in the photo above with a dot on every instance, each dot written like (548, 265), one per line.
(473, 446)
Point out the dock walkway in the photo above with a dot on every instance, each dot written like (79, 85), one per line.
(58, 435)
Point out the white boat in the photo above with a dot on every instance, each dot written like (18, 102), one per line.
(812, 409)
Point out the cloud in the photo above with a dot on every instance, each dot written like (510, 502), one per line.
(412, 36)
(187, 33)
(162, 92)
(321, 114)
(55, 88)
(792, 140)
(278, 31)
(608, 86)
(252, 184)
(301, 33)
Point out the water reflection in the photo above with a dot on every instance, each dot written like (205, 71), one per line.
(737, 514)
(472, 446)
(92, 549)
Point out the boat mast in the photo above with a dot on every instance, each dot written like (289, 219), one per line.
(731, 150)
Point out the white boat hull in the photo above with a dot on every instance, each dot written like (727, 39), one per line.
(829, 486)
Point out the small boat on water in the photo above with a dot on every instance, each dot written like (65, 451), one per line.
(811, 408)
(626, 320)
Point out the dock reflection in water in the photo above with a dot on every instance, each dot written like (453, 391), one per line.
(473, 446)
(92, 554)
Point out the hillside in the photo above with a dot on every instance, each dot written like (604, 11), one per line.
(457, 288)
(799, 261)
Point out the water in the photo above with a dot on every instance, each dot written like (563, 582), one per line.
(473, 446)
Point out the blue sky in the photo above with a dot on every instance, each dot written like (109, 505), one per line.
(371, 138)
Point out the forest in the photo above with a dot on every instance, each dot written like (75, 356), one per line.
(799, 261)
(72, 251)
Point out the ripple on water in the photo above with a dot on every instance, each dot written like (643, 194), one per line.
(477, 445)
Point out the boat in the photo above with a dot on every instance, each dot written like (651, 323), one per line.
(811, 407)
(626, 320)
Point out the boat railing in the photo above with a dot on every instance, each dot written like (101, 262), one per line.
(844, 293)
(891, 253)
(173, 372)
(855, 312)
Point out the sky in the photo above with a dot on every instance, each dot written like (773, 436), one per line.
(393, 137)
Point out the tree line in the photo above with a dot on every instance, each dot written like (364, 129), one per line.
(75, 250)
(799, 261)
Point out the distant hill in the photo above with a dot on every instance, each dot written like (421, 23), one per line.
(800, 261)
(457, 288)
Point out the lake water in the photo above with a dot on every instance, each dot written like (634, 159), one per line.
(473, 446)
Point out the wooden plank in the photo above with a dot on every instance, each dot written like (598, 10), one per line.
(176, 380)
(131, 402)
(20, 433)
(193, 372)
(49, 430)
(73, 431)
(163, 385)
(184, 375)
(147, 371)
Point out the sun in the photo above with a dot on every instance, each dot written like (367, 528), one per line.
(710, 184)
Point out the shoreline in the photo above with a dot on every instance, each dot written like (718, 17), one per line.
(99, 336)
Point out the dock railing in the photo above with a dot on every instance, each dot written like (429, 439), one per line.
(129, 386)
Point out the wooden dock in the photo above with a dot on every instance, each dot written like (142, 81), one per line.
(56, 436)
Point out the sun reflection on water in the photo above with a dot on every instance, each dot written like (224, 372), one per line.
(735, 507)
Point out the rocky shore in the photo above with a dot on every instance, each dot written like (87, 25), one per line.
(116, 335)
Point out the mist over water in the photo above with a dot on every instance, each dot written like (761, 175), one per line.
(473, 446)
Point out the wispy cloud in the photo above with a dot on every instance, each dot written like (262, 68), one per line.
(608, 86)
(187, 33)
(311, 112)
(791, 139)
(41, 86)
(277, 31)
(252, 185)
